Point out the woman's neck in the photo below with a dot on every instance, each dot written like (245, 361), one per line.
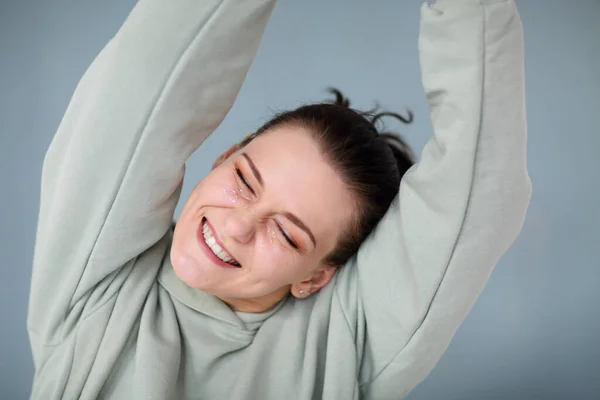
(257, 304)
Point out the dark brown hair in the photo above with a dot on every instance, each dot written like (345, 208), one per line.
(370, 162)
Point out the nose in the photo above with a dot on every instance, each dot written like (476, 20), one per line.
(240, 225)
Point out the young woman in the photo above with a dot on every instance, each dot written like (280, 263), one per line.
(269, 287)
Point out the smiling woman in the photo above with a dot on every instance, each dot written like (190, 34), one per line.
(312, 262)
(289, 205)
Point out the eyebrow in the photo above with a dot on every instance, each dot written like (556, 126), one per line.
(288, 215)
(254, 169)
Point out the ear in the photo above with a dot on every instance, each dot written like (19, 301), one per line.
(318, 279)
(232, 150)
(225, 155)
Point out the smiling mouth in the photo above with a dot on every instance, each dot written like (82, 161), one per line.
(216, 249)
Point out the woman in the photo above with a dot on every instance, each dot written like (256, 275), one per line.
(257, 294)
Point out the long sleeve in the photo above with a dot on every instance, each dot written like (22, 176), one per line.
(112, 175)
(458, 210)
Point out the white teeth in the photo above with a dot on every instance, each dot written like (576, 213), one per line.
(224, 256)
(212, 244)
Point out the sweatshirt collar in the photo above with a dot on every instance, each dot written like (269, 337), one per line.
(208, 304)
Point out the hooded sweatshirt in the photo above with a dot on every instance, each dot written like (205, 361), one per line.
(109, 319)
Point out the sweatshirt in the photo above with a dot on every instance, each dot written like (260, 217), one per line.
(109, 319)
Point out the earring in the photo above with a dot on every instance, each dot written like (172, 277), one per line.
(301, 293)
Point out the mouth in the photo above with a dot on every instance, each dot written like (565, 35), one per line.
(214, 249)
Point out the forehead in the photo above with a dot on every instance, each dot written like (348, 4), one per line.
(299, 180)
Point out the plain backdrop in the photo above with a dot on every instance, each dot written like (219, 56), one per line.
(535, 331)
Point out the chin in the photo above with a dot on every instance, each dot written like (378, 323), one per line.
(185, 263)
(185, 267)
(191, 270)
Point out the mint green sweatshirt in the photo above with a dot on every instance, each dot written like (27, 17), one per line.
(108, 318)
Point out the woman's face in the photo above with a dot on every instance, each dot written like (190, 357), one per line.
(262, 221)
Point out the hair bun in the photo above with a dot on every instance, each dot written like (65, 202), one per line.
(402, 152)
(340, 99)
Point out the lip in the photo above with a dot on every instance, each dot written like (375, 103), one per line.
(207, 251)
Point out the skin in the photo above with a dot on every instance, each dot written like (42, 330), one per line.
(248, 221)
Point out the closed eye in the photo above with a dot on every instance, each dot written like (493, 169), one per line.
(244, 181)
(291, 217)
(287, 238)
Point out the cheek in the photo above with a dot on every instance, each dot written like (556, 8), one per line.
(232, 195)
(275, 263)
(271, 239)
(269, 258)
(216, 189)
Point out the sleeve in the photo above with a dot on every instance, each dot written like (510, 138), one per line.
(112, 175)
(458, 210)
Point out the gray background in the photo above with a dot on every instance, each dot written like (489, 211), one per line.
(535, 331)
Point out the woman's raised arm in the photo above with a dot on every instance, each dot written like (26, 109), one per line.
(458, 209)
(112, 175)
